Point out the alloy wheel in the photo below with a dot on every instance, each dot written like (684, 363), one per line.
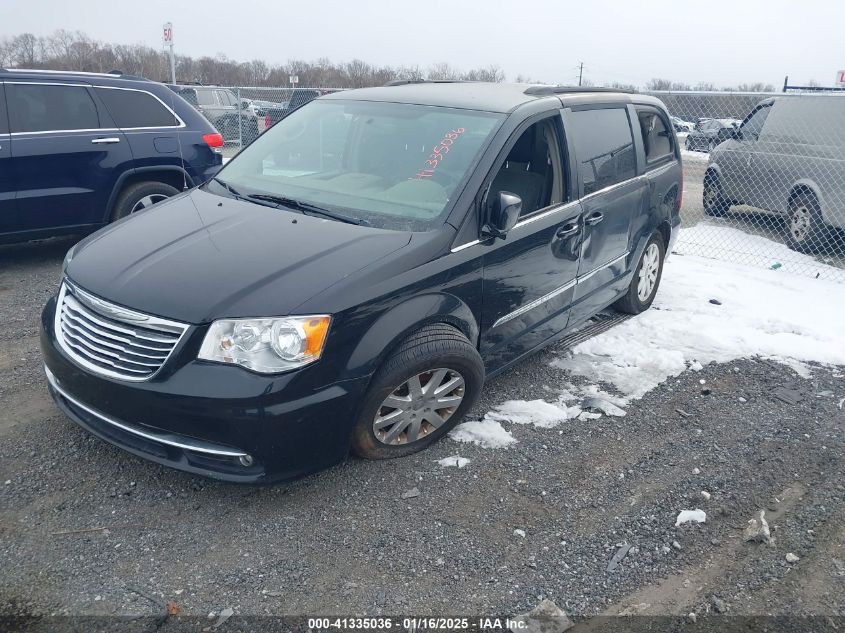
(148, 201)
(648, 272)
(710, 194)
(800, 221)
(419, 406)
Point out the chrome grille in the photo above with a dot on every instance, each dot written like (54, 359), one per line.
(111, 340)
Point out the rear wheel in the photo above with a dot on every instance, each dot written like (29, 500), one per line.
(421, 391)
(715, 203)
(646, 278)
(806, 230)
(141, 196)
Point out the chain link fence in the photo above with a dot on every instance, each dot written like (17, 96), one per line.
(242, 113)
(764, 178)
(764, 174)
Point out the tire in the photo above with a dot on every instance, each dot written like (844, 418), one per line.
(651, 261)
(141, 196)
(806, 231)
(714, 200)
(688, 145)
(435, 355)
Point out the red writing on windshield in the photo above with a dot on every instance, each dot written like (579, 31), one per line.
(438, 153)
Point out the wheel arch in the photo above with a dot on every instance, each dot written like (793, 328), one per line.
(400, 321)
(169, 174)
(806, 186)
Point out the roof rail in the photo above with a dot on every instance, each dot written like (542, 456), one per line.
(65, 72)
(556, 90)
(405, 82)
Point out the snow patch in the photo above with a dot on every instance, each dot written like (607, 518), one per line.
(540, 413)
(486, 433)
(770, 313)
(454, 460)
(690, 516)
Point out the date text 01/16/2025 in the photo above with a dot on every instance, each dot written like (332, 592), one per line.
(412, 624)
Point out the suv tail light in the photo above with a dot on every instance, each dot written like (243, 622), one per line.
(267, 121)
(214, 141)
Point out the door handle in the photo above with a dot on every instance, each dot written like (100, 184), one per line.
(594, 218)
(105, 141)
(566, 230)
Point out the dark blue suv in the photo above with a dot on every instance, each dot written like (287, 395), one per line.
(79, 150)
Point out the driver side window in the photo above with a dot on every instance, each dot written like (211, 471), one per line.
(754, 124)
(532, 169)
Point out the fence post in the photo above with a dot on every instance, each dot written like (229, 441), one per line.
(240, 121)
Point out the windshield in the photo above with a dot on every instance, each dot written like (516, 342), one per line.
(391, 165)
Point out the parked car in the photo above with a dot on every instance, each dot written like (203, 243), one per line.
(78, 150)
(786, 157)
(299, 97)
(351, 278)
(234, 119)
(708, 133)
(682, 126)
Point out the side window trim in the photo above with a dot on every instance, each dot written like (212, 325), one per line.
(181, 123)
(649, 165)
(87, 87)
(563, 160)
(4, 116)
(569, 124)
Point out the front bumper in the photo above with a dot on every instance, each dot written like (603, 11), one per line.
(213, 420)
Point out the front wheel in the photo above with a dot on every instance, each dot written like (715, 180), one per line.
(715, 203)
(421, 391)
(806, 232)
(646, 278)
(141, 196)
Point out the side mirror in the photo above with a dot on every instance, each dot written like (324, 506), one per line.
(504, 214)
(244, 105)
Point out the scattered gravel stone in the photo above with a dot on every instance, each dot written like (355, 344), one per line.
(706, 495)
(546, 617)
(758, 530)
(718, 604)
(792, 558)
(410, 494)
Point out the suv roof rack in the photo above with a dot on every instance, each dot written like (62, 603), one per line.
(556, 90)
(65, 72)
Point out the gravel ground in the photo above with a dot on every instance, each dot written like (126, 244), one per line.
(345, 541)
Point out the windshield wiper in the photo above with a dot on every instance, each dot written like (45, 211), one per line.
(227, 187)
(306, 207)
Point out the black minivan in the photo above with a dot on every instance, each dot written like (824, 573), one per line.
(351, 278)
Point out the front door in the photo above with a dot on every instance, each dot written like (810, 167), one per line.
(741, 167)
(611, 195)
(529, 277)
(67, 155)
(8, 220)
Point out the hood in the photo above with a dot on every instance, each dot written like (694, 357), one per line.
(199, 257)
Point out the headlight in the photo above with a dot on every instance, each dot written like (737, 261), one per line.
(267, 346)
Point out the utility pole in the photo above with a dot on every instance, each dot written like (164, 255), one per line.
(580, 71)
(168, 41)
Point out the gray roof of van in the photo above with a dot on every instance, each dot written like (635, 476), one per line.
(491, 97)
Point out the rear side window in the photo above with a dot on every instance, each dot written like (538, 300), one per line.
(604, 147)
(225, 98)
(42, 108)
(4, 125)
(206, 98)
(657, 140)
(189, 95)
(132, 108)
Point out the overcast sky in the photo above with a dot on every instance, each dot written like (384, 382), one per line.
(632, 41)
